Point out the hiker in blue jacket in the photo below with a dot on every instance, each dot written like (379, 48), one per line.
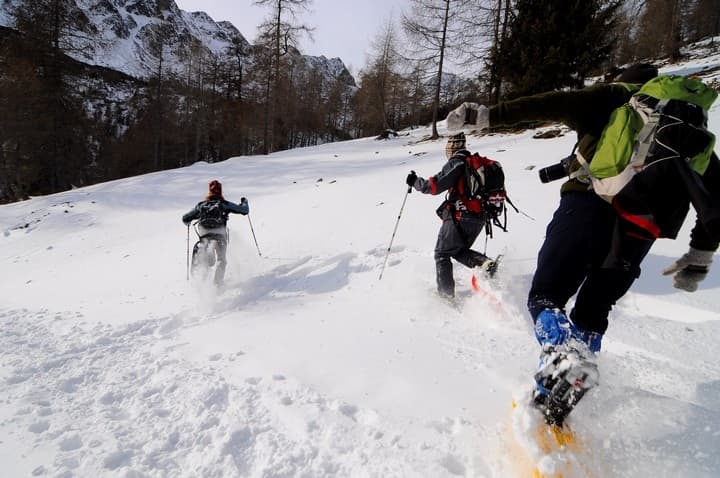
(212, 216)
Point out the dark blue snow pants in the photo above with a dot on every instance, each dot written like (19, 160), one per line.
(587, 250)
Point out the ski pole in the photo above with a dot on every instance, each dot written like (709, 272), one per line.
(187, 255)
(253, 235)
(394, 231)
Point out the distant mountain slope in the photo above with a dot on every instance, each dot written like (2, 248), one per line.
(124, 36)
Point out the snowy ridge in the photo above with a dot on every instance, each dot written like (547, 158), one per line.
(123, 30)
(306, 364)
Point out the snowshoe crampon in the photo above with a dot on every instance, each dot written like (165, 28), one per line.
(487, 270)
(565, 375)
(493, 267)
(540, 450)
(490, 266)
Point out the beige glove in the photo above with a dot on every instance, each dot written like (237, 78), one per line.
(690, 269)
(468, 117)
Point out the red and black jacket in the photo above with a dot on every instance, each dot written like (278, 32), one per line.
(452, 178)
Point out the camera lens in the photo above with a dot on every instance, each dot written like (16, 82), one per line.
(551, 173)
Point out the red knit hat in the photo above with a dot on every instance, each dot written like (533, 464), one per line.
(215, 188)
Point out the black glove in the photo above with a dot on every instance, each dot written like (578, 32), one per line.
(411, 178)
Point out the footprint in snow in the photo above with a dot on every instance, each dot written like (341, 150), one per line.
(71, 443)
(117, 459)
(40, 470)
(348, 410)
(39, 427)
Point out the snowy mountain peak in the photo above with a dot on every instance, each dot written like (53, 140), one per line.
(125, 35)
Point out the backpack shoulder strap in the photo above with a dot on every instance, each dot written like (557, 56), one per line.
(646, 134)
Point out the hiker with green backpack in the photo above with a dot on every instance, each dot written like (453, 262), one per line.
(643, 154)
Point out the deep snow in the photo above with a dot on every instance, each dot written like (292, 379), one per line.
(308, 365)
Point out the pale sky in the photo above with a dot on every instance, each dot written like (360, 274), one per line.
(343, 28)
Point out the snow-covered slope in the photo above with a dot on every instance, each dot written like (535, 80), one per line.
(112, 364)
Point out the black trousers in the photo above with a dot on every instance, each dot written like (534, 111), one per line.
(454, 241)
(588, 249)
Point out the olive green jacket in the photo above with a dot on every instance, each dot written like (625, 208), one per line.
(586, 111)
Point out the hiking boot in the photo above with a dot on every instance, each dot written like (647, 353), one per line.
(447, 296)
(565, 373)
(489, 267)
(444, 278)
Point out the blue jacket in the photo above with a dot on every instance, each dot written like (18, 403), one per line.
(227, 206)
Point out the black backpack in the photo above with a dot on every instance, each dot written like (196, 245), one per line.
(212, 214)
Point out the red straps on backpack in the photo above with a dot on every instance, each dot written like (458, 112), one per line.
(476, 161)
(644, 221)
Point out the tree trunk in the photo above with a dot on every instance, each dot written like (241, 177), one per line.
(436, 99)
(676, 32)
(266, 120)
(493, 83)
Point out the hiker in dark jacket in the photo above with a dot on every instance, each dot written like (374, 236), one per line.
(212, 216)
(587, 249)
(463, 218)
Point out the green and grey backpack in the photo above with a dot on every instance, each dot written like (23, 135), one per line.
(663, 124)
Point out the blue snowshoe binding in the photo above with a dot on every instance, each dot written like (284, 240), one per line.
(563, 378)
(567, 367)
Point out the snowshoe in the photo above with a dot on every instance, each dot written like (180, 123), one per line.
(203, 257)
(565, 374)
(490, 266)
(493, 266)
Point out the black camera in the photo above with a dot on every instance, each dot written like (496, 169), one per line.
(556, 171)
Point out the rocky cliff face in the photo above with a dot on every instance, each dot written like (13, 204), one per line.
(131, 36)
(144, 86)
